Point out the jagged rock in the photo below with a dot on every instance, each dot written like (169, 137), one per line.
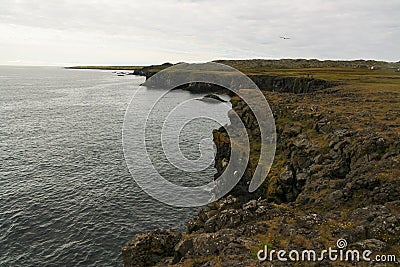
(300, 160)
(149, 248)
(292, 131)
(339, 146)
(339, 169)
(204, 244)
(319, 159)
(301, 179)
(287, 177)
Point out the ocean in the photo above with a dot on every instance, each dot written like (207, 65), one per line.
(67, 197)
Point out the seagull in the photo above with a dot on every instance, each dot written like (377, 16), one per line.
(284, 38)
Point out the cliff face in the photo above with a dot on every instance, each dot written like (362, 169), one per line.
(317, 144)
(335, 175)
(272, 83)
(282, 84)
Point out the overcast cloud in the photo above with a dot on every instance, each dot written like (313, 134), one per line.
(73, 32)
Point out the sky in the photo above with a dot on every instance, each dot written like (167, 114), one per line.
(131, 32)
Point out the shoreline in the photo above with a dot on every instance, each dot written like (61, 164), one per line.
(335, 175)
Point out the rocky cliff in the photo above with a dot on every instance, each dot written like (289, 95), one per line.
(288, 84)
(274, 83)
(331, 179)
(335, 175)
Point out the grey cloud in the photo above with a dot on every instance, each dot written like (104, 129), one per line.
(199, 29)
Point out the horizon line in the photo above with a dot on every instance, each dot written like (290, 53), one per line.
(66, 65)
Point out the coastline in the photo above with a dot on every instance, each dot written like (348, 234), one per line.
(335, 175)
(130, 68)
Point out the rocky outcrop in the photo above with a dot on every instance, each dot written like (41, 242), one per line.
(234, 232)
(149, 248)
(335, 175)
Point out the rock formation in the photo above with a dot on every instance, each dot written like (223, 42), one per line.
(335, 175)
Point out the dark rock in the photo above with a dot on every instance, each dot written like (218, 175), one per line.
(212, 97)
(319, 159)
(149, 248)
(295, 85)
(339, 146)
(292, 131)
(203, 245)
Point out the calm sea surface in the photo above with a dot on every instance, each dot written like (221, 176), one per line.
(66, 195)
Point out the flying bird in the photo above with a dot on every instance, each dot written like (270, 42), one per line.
(284, 38)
